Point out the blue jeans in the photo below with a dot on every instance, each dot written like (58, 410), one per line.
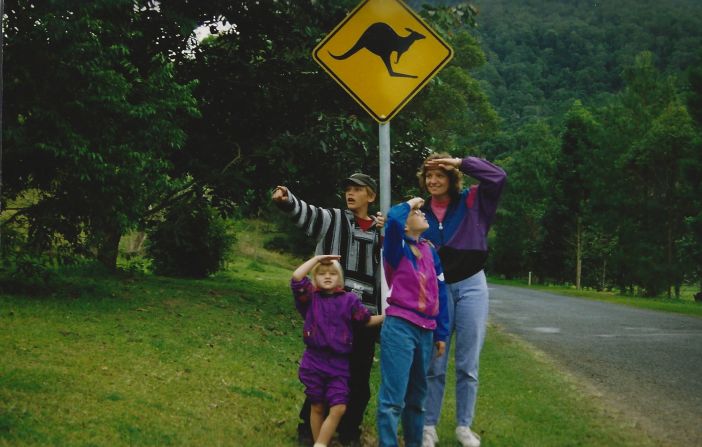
(468, 314)
(405, 351)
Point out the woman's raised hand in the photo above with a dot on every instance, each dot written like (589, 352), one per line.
(447, 164)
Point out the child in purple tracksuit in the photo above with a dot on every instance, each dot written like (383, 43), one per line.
(328, 311)
(417, 319)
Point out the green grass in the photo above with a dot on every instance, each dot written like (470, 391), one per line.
(684, 305)
(155, 362)
(151, 361)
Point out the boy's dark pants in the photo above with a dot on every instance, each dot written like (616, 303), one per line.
(361, 362)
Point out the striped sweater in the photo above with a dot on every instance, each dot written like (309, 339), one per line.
(336, 233)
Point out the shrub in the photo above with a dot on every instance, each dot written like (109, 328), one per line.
(192, 241)
(289, 238)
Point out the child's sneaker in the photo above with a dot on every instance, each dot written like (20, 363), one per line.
(429, 436)
(467, 437)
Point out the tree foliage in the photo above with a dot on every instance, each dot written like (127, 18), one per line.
(117, 116)
(544, 54)
(91, 119)
(620, 194)
(652, 140)
(135, 114)
(566, 219)
(519, 229)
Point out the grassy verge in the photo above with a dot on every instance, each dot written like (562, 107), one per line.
(152, 361)
(684, 305)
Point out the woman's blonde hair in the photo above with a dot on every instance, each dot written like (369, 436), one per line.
(454, 175)
(334, 265)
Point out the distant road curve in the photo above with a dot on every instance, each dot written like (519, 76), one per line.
(646, 362)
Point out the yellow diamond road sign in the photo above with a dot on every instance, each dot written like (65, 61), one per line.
(382, 54)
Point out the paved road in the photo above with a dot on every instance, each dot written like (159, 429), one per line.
(647, 363)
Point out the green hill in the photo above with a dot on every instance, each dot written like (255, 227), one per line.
(543, 54)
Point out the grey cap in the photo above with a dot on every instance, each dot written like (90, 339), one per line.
(362, 180)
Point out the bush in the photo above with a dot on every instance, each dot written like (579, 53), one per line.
(28, 274)
(192, 241)
(60, 269)
(289, 238)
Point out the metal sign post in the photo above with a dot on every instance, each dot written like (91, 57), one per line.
(384, 177)
(384, 154)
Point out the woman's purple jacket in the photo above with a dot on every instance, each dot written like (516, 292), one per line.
(461, 238)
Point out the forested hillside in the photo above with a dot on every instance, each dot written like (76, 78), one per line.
(542, 54)
(597, 101)
(600, 117)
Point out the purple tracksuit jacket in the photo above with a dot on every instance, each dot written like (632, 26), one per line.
(327, 331)
(461, 238)
(417, 289)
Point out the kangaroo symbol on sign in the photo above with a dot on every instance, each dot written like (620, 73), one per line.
(381, 40)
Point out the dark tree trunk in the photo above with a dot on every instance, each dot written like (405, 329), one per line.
(108, 247)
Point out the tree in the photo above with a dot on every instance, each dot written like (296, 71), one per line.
(578, 145)
(691, 244)
(652, 142)
(658, 159)
(519, 228)
(567, 217)
(92, 119)
(274, 115)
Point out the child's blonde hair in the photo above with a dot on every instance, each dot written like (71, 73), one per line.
(331, 265)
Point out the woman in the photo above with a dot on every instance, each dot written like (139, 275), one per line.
(459, 220)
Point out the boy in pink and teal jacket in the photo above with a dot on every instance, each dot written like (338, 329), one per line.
(416, 320)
